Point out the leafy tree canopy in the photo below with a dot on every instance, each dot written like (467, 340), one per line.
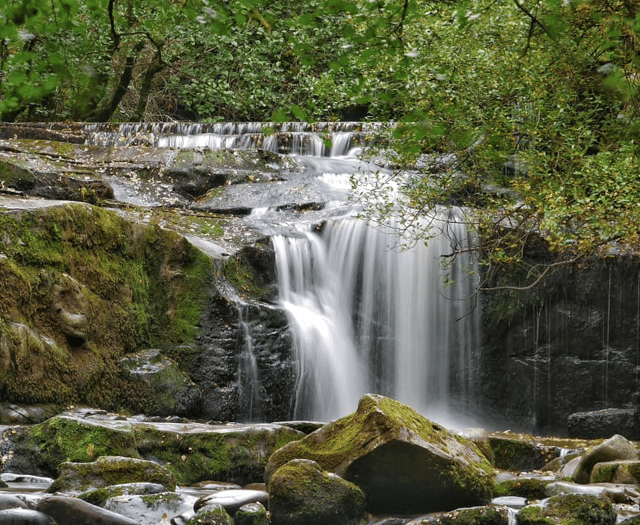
(534, 104)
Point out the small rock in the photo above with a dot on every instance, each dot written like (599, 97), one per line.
(211, 515)
(232, 500)
(251, 514)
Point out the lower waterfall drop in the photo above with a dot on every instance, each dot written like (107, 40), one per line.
(367, 316)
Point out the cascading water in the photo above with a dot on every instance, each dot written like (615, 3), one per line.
(368, 317)
(366, 314)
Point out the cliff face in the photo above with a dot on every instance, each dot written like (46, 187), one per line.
(147, 308)
(569, 345)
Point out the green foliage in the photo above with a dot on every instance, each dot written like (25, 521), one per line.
(539, 101)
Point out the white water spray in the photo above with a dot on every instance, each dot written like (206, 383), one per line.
(368, 317)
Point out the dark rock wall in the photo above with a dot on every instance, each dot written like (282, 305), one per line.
(569, 345)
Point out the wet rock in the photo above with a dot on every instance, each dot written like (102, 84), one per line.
(569, 508)
(193, 181)
(110, 470)
(8, 501)
(21, 516)
(403, 462)
(72, 511)
(150, 509)
(232, 500)
(100, 496)
(301, 493)
(604, 423)
(613, 492)
(486, 515)
(173, 391)
(12, 414)
(519, 452)
(251, 514)
(211, 515)
(616, 447)
(621, 471)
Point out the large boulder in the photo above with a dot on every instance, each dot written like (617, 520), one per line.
(616, 447)
(402, 461)
(301, 493)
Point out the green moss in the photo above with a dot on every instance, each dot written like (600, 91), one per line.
(153, 501)
(570, 509)
(530, 488)
(237, 456)
(137, 284)
(61, 439)
(100, 496)
(604, 473)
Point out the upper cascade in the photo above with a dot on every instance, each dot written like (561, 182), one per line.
(322, 139)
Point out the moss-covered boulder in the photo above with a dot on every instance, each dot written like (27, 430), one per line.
(42, 448)
(526, 487)
(236, 453)
(402, 461)
(569, 509)
(110, 470)
(301, 493)
(192, 451)
(621, 471)
(251, 514)
(100, 496)
(485, 515)
(615, 448)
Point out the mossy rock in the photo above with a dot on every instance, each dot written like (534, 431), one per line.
(530, 488)
(520, 452)
(226, 453)
(100, 495)
(251, 514)
(615, 448)
(402, 461)
(301, 493)
(110, 470)
(214, 515)
(621, 471)
(45, 446)
(79, 287)
(486, 515)
(570, 509)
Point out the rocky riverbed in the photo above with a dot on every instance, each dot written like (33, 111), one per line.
(383, 464)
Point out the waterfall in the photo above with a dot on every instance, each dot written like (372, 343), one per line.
(369, 317)
(366, 313)
(249, 377)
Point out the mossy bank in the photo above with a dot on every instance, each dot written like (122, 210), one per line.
(81, 286)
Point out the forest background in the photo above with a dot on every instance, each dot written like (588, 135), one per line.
(535, 103)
